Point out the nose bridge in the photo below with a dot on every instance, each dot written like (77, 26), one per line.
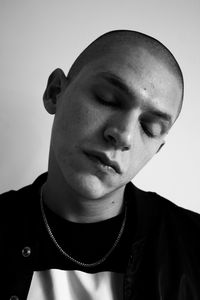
(126, 123)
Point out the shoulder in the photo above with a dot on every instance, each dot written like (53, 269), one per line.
(153, 207)
(177, 247)
(16, 203)
(171, 242)
(20, 219)
(177, 235)
(180, 218)
(13, 202)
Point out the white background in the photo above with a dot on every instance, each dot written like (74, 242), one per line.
(39, 35)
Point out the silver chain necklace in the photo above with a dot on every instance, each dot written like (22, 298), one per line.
(82, 264)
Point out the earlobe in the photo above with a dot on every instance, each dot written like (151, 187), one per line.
(55, 85)
(160, 147)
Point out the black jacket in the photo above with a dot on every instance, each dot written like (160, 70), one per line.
(164, 261)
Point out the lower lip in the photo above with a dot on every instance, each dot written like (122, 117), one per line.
(101, 166)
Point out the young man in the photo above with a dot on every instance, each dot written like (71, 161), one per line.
(84, 231)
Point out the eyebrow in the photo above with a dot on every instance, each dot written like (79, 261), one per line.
(118, 82)
(161, 115)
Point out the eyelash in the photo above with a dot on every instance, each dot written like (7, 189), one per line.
(147, 132)
(115, 104)
(104, 102)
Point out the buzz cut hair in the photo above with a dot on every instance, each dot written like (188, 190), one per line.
(105, 44)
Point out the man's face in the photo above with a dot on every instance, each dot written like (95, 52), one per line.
(111, 120)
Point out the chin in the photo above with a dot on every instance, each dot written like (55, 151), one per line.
(89, 187)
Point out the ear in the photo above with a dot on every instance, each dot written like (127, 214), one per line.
(55, 85)
(163, 143)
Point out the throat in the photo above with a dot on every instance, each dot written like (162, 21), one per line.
(79, 210)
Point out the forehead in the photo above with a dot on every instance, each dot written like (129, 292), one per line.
(148, 78)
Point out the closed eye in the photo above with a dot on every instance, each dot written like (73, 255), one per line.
(152, 130)
(107, 100)
(147, 131)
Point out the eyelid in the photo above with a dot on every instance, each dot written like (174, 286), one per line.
(146, 131)
(150, 132)
(108, 100)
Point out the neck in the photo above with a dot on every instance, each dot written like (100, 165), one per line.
(65, 202)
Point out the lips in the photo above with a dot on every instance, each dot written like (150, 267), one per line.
(104, 160)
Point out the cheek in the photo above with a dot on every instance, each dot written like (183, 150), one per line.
(141, 154)
(77, 121)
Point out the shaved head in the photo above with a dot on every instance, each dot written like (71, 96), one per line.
(118, 103)
(118, 40)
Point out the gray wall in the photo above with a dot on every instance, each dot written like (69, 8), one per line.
(38, 36)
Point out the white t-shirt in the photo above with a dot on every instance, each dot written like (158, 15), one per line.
(75, 285)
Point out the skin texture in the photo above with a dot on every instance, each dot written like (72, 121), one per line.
(93, 112)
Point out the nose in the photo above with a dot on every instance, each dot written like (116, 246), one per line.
(118, 138)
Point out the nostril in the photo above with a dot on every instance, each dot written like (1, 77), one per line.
(118, 139)
(111, 135)
(125, 148)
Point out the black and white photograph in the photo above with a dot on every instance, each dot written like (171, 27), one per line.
(100, 150)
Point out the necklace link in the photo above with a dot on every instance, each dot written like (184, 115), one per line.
(82, 264)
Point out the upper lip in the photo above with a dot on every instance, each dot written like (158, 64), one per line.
(103, 157)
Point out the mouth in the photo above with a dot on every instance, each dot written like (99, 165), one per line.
(103, 161)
